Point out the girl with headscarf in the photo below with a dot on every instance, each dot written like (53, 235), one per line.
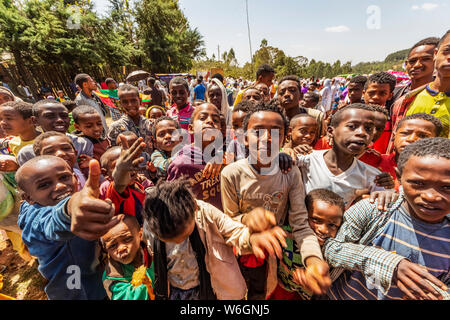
(216, 94)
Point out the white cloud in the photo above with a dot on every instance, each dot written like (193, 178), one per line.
(337, 29)
(427, 6)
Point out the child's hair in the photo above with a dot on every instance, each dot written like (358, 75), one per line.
(264, 70)
(441, 41)
(37, 144)
(437, 147)
(432, 41)
(270, 107)
(423, 116)
(104, 160)
(128, 87)
(80, 79)
(147, 113)
(298, 116)
(243, 106)
(23, 108)
(82, 110)
(313, 95)
(380, 109)
(163, 118)
(291, 78)
(38, 104)
(109, 80)
(337, 117)
(168, 207)
(361, 80)
(197, 110)
(325, 195)
(381, 78)
(179, 81)
(69, 104)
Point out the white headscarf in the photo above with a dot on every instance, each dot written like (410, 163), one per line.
(225, 109)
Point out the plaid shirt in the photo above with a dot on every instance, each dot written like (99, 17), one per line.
(352, 248)
(125, 123)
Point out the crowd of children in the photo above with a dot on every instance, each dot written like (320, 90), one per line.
(278, 197)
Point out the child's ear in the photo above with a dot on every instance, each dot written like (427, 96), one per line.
(76, 126)
(289, 134)
(191, 128)
(34, 120)
(140, 234)
(26, 197)
(390, 95)
(330, 131)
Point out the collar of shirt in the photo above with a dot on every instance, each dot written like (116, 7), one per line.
(434, 92)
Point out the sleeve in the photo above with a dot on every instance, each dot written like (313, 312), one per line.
(161, 163)
(229, 196)
(112, 134)
(25, 154)
(344, 251)
(124, 200)
(52, 223)
(298, 220)
(85, 146)
(234, 233)
(124, 290)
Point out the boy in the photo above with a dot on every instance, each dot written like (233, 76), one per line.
(252, 187)
(410, 129)
(302, 134)
(325, 212)
(434, 99)
(264, 74)
(351, 130)
(132, 119)
(192, 241)
(47, 184)
(59, 145)
(51, 115)
(378, 90)
(236, 149)
(205, 127)
(355, 90)
(154, 112)
(402, 253)
(16, 121)
(128, 275)
(182, 109)
(107, 163)
(164, 133)
(89, 123)
(253, 95)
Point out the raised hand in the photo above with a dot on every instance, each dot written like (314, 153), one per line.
(128, 162)
(91, 217)
(316, 277)
(268, 242)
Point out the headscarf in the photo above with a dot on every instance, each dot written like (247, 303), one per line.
(5, 90)
(225, 109)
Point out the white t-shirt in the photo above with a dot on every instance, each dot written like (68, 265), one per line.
(316, 175)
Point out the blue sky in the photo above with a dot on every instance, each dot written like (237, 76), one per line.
(325, 30)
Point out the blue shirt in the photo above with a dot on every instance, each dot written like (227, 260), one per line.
(200, 91)
(69, 263)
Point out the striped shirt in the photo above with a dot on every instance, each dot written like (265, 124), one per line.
(370, 246)
(183, 116)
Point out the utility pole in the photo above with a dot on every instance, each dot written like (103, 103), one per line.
(249, 39)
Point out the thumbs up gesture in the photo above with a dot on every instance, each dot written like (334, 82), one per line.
(91, 217)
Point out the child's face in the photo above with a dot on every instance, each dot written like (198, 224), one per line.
(5, 98)
(206, 120)
(59, 147)
(288, 94)
(142, 110)
(179, 94)
(252, 95)
(155, 113)
(325, 220)
(183, 235)
(53, 117)
(130, 102)
(90, 124)
(355, 131)
(12, 121)
(355, 92)
(377, 93)
(237, 120)
(426, 185)
(411, 131)
(420, 62)
(380, 122)
(215, 96)
(49, 182)
(308, 101)
(122, 242)
(261, 126)
(442, 57)
(164, 133)
(264, 90)
(304, 131)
